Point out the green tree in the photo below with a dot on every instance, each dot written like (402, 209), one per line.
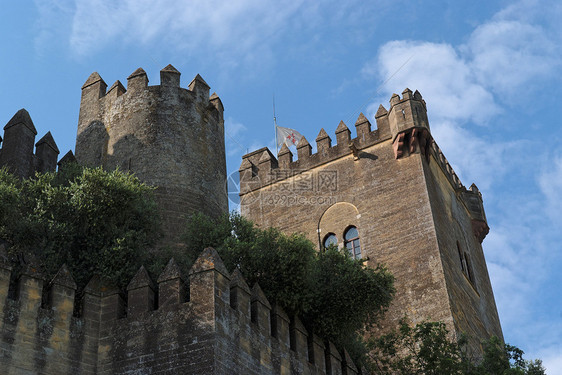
(97, 222)
(348, 298)
(427, 348)
(336, 296)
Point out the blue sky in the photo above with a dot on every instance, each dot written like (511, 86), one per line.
(489, 72)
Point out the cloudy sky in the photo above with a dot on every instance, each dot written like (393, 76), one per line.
(490, 73)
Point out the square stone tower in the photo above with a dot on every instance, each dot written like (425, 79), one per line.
(389, 196)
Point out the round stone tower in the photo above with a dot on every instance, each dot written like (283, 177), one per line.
(168, 136)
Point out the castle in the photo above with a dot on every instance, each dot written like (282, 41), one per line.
(389, 196)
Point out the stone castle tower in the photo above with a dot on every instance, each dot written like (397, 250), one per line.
(389, 196)
(168, 136)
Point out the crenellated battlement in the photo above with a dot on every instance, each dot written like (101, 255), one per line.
(261, 168)
(446, 167)
(405, 124)
(210, 312)
(471, 198)
(409, 212)
(170, 136)
(17, 147)
(95, 93)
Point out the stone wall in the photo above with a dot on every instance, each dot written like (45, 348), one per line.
(210, 322)
(396, 187)
(460, 230)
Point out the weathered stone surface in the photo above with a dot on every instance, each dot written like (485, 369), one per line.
(67, 158)
(170, 137)
(64, 278)
(209, 260)
(17, 148)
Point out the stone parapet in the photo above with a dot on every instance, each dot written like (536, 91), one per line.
(17, 149)
(225, 327)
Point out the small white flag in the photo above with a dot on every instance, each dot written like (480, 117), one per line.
(288, 136)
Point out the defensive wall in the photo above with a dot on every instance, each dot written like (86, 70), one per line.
(210, 322)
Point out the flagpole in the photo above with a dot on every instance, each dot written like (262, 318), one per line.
(275, 127)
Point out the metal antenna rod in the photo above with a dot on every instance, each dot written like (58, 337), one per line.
(275, 127)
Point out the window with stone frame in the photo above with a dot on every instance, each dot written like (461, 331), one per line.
(329, 240)
(466, 266)
(351, 242)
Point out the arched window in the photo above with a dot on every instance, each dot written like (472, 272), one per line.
(329, 240)
(351, 237)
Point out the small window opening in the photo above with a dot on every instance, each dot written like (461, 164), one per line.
(330, 240)
(351, 237)
(461, 258)
(466, 266)
(469, 269)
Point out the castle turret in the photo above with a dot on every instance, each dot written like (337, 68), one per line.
(408, 122)
(170, 137)
(473, 200)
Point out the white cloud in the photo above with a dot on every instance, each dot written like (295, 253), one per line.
(443, 77)
(523, 270)
(474, 158)
(550, 182)
(237, 26)
(471, 84)
(232, 34)
(506, 55)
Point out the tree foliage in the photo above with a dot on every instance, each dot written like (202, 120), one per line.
(336, 296)
(96, 222)
(105, 223)
(427, 348)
